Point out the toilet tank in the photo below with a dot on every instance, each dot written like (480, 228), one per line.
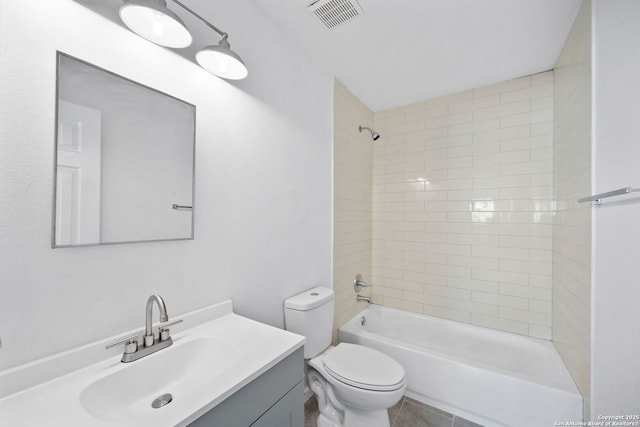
(311, 314)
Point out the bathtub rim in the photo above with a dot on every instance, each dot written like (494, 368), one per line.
(567, 385)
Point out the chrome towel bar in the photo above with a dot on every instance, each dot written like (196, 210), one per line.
(598, 197)
(174, 206)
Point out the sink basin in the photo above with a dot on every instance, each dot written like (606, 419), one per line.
(215, 354)
(126, 391)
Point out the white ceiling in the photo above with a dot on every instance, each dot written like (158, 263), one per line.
(404, 51)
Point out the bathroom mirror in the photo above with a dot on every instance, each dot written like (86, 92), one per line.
(124, 160)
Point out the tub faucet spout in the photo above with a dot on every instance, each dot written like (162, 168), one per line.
(363, 298)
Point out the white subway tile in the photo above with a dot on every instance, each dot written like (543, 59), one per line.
(425, 237)
(545, 77)
(526, 242)
(502, 181)
(526, 118)
(502, 110)
(474, 104)
(525, 291)
(472, 307)
(502, 134)
(446, 291)
(504, 277)
(444, 141)
(545, 103)
(429, 154)
(473, 239)
(543, 280)
(474, 149)
(463, 206)
(423, 136)
(449, 99)
(499, 323)
(475, 126)
(447, 313)
(449, 164)
(529, 93)
(424, 217)
(403, 168)
(528, 142)
(473, 261)
(540, 306)
(502, 87)
(425, 114)
(473, 284)
(474, 172)
(545, 128)
(526, 192)
(502, 158)
(479, 194)
(530, 168)
(501, 300)
(541, 319)
(447, 249)
(426, 196)
(537, 331)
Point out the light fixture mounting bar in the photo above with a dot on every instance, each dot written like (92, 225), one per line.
(210, 25)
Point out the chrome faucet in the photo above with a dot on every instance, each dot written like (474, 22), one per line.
(132, 350)
(149, 338)
(363, 298)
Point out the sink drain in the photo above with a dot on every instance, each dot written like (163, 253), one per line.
(159, 402)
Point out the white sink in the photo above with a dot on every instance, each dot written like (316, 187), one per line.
(215, 354)
(127, 392)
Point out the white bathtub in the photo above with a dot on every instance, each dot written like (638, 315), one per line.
(490, 377)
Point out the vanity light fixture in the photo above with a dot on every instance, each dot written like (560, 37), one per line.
(152, 20)
(219, 60)
(222, 61)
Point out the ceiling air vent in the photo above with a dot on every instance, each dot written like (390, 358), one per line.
(335, 12)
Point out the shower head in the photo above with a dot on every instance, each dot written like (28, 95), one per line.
(374, 135)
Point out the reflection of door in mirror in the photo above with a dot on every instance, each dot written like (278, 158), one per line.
(78, 175)
(125, 156)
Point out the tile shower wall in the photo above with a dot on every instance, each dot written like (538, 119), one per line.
(353, 165)
(463, 206)
(572, 180)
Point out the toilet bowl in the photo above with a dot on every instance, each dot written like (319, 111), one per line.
(354, 385)
(359, 384)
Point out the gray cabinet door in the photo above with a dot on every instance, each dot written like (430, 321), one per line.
(287, 412)
(270, 391)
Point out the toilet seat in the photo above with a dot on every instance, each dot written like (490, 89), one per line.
(364, 368)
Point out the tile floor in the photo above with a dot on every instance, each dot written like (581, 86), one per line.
(407, 413)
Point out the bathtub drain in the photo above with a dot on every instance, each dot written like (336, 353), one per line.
(363, 320)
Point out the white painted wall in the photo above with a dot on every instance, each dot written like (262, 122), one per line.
(615, 364)
(263, 182)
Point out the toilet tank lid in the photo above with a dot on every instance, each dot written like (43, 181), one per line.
(310, 299)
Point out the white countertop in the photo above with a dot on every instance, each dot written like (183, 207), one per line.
(56, 402)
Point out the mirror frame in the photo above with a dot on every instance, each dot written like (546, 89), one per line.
(59, 56)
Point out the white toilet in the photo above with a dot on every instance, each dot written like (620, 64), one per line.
(354, 384)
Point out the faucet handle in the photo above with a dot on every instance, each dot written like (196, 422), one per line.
(130, 344)
(163, 329)
(359, 283)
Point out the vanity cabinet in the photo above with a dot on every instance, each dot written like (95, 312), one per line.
(274, 399)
